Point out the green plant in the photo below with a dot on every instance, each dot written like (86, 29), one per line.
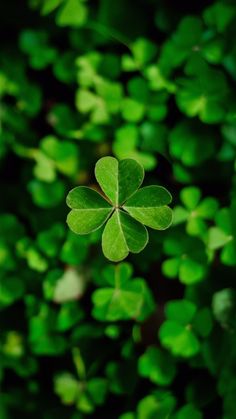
(137, 86)
(125, 211)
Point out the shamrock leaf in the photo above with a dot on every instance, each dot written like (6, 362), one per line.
(126, 210)
(49, 241)
(184, 42)
(191, 144)
(219, 15)
(204, 95)
(35, 44)
(130, 149)
(46, 195)
(142, 51)
(187, 259)
(122, 298)
(179, 333)
(85, 396)
(53, 156)
(157, 365)
(97, 96)
(159, 405)
(43, 337)
(195, 212)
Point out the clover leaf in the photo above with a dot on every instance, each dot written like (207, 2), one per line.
(187, 259)
(142, 51)
(43, 336)
(122, 298)
(184, 42)
(157, 365)
(130, 149)
(219, 15)
(125, 211)
(204, 95)
(195, 212)
(46, 195)
(159, 405)
(179, 333)
(85, 396)
(35, 44)
(191, 144)
(53, 156)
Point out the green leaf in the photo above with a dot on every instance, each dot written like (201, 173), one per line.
(119, 304)
(66, 387)
(63, 154)
(74, 249)
(188, 258)
(12, 289)
(143, 51)
(129, 149)
(189, 411)
(181, 311)
(47, 195)
(89, 210)
(149, 206)
(219, 15)
(191, 144)
(97, 389)
(178, 339)
(50, 5)
(170, 267)
(118, 180)
(69, 315)
(120, 273)
(85, 100)
(35, 44)
(123, 234)
(217, 238)
(204, 96)
(158, 405)
(157, 365)
(124, 299)
(72, 13)
(132, 110)
(190, 197)
(203, 322)
(49, 241)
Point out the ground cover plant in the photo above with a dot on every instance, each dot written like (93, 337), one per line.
(117, 291)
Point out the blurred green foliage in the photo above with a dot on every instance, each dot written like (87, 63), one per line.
(152, 337)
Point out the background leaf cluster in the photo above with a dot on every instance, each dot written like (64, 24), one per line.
(153, 336)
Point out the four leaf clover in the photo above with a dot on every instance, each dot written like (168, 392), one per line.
(125, 210)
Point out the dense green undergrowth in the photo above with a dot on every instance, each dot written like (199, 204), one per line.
(152, 336)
